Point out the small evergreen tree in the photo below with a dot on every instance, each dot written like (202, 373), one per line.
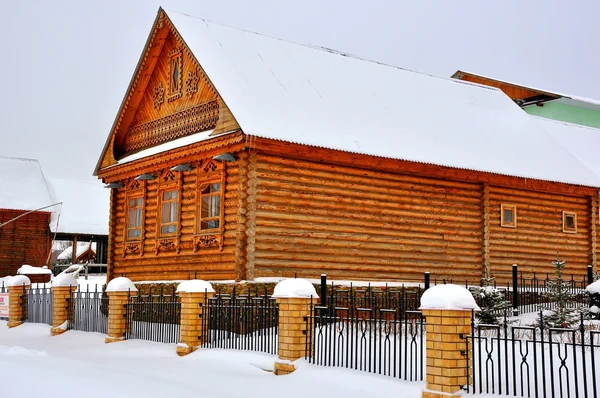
(559, 292)
(593, 292)
(491, 302)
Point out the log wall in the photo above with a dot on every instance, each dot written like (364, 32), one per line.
(24, 241)
(539, 236)
(314, 218)
(204, 262)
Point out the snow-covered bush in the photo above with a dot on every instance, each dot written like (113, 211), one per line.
(491, 302)
(593, 292)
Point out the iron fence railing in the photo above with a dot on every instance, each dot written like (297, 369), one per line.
(3, 301)
(154, 317)
(241, 322)
(88, 310)
(384, 340)
(534, 361)
(37, 304)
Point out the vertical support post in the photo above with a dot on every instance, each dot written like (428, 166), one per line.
(61, 308)
(192, 334)
(427, 281)
(323, 290)
(294, 298)
(17, 287)
(118, 291)
(74, 250)
(590, 275)
(515, 288)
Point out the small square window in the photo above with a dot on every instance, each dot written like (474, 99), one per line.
(569, 222)
(508, 216)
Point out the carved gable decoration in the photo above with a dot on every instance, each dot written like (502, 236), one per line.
(170, 97)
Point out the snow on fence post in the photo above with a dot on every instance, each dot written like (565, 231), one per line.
(118, 291)
(62, 286)
(18, 286)
(294, 298)
(447, 310)
(192, 333)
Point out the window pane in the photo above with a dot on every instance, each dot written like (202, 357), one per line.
(173, 194)
(132, 203)
(215, 187)
(570, 221)
(138, 217)
(166, 195)
(204, 206)
(132, 218)
(216, 206)
(508, 216)
(168, 229)
(165, 213)
(138, 201)
(173, 216)
(133, 233)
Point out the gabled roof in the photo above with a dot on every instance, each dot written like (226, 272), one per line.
(85, 207)
(574, 100)
(314, 96)
(22, 185)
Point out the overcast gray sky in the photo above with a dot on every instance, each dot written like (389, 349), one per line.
(66, 63)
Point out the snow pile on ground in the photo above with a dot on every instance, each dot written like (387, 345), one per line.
(195, 286)
(451, 297)
(121, 284)
(31, 270)
(294, 288)
(594, 288)
(18, 280)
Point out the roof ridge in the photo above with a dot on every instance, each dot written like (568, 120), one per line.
(333, 51)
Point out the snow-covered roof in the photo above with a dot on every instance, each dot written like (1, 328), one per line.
(583, 142)
(22, 185)
(314, 96)
(85, 206)
(82, 247)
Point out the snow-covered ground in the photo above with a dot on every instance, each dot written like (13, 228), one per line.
(80, 364)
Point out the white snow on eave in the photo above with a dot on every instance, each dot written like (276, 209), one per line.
(22, 185)
(85, 206)
(300, 94)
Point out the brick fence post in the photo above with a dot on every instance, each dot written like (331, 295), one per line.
(63, 286)
(294, 299)
(118, 291)
(17, 287)
(192, 331)
(447, 310)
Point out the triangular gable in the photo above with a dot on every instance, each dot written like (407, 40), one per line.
(169, 97)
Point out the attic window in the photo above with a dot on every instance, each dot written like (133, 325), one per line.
(175, 74)
(508, 216)
(569, 222)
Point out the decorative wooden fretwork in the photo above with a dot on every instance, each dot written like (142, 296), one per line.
(169, 176)
(133, 248)
(177, 125)
(166, 245)
(191, 83)
(158, 95)
(209, 167)
(205, 241)
(134, 184)
(161, 20)
(175, 73)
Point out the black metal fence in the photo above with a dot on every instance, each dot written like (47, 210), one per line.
(154, 317)
(535, 362)
(37, 304)
(374, 333)
(242, 322)
(4, 301)
(88, 310)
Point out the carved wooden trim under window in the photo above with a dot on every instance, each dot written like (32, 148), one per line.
(166, 245)
(133, 248)
(175, 72)
(205, 241)
(189, 121)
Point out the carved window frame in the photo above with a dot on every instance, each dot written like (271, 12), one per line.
(135, 190)
(209, 172)
(175, 61)
(169, 181)
(506, 223)
(568, 229)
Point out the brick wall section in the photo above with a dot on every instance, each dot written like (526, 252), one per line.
(446, 365)
(191, 332)
(292, 336)
(60, 308)
(117, 322)
(15, 309)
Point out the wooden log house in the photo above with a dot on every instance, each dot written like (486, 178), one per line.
(240, 156)
(24, 235)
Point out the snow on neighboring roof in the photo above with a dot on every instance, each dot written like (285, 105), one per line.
(85, 206)
(81, 248)
(26, 269)
(22, 185)
(583, 142)
(313, 96)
